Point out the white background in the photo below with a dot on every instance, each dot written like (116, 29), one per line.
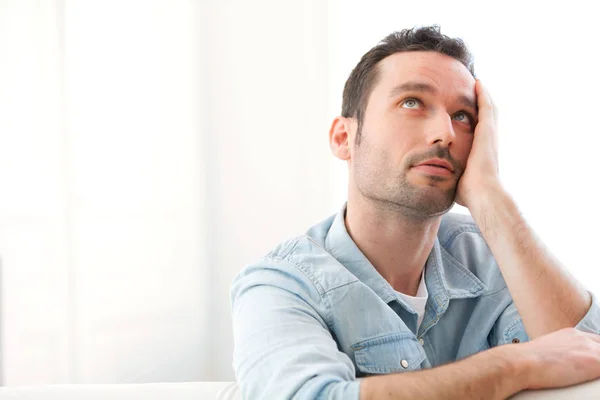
(151, 149)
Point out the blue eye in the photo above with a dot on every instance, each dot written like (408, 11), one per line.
(465, 117)
(410, 103)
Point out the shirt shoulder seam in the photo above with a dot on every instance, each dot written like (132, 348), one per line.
(284, 257)
(318, 287)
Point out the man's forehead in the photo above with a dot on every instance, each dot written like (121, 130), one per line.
(439, 70)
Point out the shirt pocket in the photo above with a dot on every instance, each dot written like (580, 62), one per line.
(396, 352)
(515, 332)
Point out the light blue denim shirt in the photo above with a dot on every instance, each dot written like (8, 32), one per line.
(314, 315)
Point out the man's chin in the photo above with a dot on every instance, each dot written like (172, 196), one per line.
(434, 205)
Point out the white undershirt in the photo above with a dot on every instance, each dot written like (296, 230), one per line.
(417, 302)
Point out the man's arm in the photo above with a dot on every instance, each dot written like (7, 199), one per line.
(547, 297)
(559, 359)
(283, 348)
(489, 375)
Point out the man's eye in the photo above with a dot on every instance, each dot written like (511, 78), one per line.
(462, 117)
(410, 103)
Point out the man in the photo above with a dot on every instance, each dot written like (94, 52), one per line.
(418, 304)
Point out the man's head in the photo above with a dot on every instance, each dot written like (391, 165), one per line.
(410, 99)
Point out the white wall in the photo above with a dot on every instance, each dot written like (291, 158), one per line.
(136, 190)
(101, 218)
(268, 126)
(33, 229)
(149, 151)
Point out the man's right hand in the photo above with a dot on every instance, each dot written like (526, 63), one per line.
(562, 358)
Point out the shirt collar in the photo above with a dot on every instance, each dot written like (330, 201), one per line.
(446, 278)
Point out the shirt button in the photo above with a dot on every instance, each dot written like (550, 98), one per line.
(516, 340)
(404, 364)
(421, 341)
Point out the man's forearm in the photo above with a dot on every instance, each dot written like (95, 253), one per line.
(494, 374)
(547, 297)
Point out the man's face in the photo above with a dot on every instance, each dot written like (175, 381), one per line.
(422, 107)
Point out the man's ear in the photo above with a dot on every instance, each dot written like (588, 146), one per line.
(340, 137)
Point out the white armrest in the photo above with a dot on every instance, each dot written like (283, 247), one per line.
(220, 391)
(587, 391)
(146, 391)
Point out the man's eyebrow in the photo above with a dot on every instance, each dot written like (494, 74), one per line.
(412, 87)
(466, 101)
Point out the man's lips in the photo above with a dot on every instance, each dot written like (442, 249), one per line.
(438, 162)
(435, 166)
(433, 170)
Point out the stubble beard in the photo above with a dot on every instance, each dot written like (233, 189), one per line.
(396, 194)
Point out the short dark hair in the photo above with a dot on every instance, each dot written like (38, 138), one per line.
(364, 76)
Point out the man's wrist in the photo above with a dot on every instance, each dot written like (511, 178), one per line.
(492, 206)
(485, 194)
(518, 366)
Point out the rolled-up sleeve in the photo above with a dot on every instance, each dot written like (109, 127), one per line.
(283, 348)
(591, 321)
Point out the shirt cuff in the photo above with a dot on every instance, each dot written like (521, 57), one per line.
(591, 322)
(349, 390)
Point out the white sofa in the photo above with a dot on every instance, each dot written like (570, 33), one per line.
(145, 391)
(218, 391)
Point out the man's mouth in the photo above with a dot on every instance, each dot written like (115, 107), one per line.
(432, 169)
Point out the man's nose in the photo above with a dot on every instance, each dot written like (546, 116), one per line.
(440, 130)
